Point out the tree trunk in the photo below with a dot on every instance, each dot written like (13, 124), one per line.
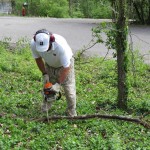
(121, 47)
(13, 5)
(138, 13)
(142, 11)
(70, 8)
(148, 19)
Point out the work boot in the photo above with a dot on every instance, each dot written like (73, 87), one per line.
(46, 106)
(71, 112)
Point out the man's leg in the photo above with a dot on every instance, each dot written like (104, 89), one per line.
(70, 91)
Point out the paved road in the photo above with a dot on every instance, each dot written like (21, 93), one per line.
(76, 31)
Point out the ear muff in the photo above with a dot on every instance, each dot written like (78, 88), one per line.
(52, 38)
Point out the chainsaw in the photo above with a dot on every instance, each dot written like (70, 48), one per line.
(51, 92)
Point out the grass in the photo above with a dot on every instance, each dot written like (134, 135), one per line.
(96, 81)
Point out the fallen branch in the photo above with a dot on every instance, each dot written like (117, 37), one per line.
(83, 117)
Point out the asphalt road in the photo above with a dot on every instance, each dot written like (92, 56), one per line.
(76, 31)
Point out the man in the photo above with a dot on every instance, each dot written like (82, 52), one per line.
(54, 59)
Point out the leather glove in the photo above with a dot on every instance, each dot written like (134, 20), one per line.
(45, 78)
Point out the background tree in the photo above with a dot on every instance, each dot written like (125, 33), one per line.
(117, 32)
(13, 6)
(142, 11)
(70, 8)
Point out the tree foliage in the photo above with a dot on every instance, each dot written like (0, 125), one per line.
(90, 8)
(138, 10)
(45, 8)
(52, 8)
(142, 11)
(65, 8)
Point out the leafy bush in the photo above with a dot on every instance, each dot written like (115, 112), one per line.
(58, 9)
(95, 9)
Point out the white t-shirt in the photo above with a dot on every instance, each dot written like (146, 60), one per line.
(59, 55)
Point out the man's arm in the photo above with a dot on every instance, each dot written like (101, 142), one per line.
(63, 74)
(40, 64)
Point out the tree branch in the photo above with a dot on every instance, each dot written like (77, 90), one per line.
(83, 117)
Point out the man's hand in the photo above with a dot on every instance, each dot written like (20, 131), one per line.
(45, 78)
(56, 87)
